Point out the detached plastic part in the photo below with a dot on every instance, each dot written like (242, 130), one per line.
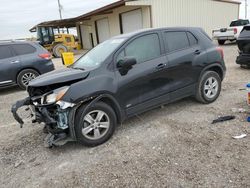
(18, 105)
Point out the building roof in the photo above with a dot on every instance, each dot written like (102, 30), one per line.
(70, 22)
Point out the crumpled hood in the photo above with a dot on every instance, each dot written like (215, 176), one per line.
(59, 76)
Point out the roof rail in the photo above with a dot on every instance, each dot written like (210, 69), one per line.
(12, 40)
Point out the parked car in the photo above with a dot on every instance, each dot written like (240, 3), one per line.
(21, 61)
(243, 43)
(231, 33)
(121, 77)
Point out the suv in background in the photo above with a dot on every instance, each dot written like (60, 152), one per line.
(20, 62)
(121, 77)
(243, 43)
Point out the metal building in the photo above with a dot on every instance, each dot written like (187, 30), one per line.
(129, 15)
(126, 16)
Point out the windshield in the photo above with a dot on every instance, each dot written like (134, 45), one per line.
(239, 23)
(98, 54)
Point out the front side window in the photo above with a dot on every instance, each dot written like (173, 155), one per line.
(22, 49)
(176, 40)
(143, 49)
(239, 23)
(5, 52)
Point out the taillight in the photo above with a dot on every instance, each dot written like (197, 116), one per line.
(45, 56)
(220, 50)
(235, 31)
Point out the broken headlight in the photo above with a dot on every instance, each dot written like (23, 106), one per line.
(56, 95)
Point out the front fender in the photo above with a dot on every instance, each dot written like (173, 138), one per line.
(90, 87)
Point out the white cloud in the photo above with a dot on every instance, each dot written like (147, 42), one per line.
(18, 16)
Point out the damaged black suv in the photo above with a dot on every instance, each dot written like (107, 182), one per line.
(121, 77)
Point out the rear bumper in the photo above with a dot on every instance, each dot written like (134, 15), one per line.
(243, 60)
(47, 67)
(224, 38)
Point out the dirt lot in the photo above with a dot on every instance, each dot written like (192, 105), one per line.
(174, 146)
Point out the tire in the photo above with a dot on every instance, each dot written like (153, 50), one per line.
(59, 49)
(221, 42)
(25, 76)
(245, 66)
(82, 122)
(203, 95)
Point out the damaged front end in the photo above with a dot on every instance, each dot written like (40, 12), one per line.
(48, 108)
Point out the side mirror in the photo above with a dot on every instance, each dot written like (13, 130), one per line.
(126, 63)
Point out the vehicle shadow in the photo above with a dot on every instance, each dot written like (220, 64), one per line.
(9, 89)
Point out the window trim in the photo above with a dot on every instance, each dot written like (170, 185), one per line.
(131, 40)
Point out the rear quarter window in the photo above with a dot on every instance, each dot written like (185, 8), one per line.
(192, 39)
(22, 49)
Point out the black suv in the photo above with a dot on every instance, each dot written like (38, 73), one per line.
(21, 62)
(121, 77)
(243, 43)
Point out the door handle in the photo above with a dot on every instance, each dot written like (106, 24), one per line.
(161, 66)
(197, 52)
(14, 62)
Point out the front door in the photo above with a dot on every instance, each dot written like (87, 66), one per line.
(9, 65)
(147, 79)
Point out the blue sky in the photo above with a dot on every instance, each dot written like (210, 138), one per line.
(18, 16)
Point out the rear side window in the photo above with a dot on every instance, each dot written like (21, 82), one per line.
(239, 23)
(176, 40)
(144, 48)
(5, 52)
(22, 49)
(192, 40)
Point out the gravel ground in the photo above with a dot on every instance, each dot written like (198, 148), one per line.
(173, 146)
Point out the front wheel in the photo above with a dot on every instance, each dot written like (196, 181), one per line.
(209, 87)
(95, 125)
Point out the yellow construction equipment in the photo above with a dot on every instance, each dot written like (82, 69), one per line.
(56, 43)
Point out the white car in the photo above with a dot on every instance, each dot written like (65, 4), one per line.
(231, 33)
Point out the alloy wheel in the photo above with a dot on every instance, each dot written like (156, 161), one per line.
(211, 87)
(96, 124)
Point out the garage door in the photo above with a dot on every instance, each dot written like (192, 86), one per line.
(131, 21)
(103, 31)
(86, 37)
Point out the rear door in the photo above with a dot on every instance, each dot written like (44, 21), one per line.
(182, 51)
(9, 65)
(26, 53)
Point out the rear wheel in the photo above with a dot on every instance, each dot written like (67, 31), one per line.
(209, 87)
(59, 49)
(25, 76)
(221, 42)
(96, 125)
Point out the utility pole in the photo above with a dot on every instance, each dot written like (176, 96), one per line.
(59, 8)
(246, 9)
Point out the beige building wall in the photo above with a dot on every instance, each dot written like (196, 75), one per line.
(208, 14)
(114, 22)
